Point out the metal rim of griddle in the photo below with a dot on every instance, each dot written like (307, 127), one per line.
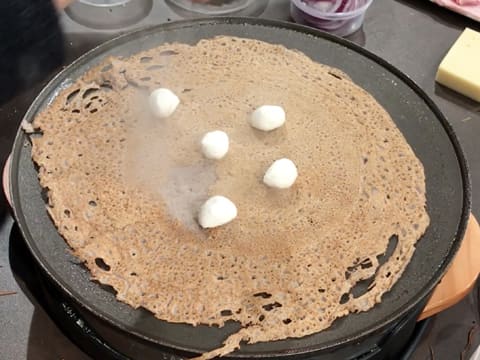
(410, 305)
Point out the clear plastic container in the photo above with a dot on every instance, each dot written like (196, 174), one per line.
(213, 7)
(108, 14)
(339, 17)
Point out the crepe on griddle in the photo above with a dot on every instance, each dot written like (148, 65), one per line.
(124, 188)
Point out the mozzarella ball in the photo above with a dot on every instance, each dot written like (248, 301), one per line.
(216, 211)
(281, 174)
(163, 102)
(268, 117)
(215, 144)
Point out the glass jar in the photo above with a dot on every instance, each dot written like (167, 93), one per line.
(213, 7)
(339, 17)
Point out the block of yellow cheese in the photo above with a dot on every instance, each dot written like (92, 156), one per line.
(460, 69)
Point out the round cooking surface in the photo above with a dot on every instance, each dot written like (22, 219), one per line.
(426, 130)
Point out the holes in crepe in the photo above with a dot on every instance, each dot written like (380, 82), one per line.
(44, 195)
(92, 203)
(108, 288)
(336, 76)
(145, 59)
(366, 264)
(67, 213)
(365, 160)
(261, 317)
(263, 295)
(270, 307)
(344, 299)
(362, 287)
(76, 111)
(133, 274)
(220, 278)
(93, 111)
(388, 274)
(155, 67)
(89, 92)
(168, 53)
(106, 86)
(226, 312)
(392, 245)
(321, 291)
(102, 264)
(72, 96)
(287, 321)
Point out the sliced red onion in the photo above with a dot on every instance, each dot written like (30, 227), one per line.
(332, 6)
(325, 6)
